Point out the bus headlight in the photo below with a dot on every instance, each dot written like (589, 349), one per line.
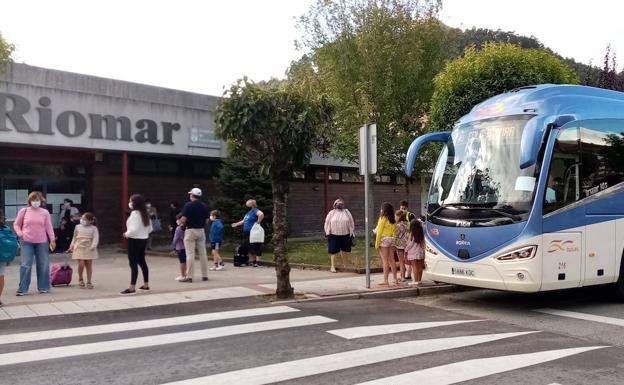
(520, 254)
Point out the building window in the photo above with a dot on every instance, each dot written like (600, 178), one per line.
(149, 165)
(400, 179)
(383, 178)
(352, 177)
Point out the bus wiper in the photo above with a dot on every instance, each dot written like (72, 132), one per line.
(484, 206)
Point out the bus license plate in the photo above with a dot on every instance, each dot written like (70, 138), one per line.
(462, 271)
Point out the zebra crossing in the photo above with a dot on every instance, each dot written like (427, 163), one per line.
(335, 346)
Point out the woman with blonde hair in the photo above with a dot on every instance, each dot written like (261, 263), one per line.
(34, 227)
(253, 216)
(339, 229)
(385, 241)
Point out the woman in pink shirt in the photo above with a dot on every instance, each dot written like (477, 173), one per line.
(339, 228)
(34, 228)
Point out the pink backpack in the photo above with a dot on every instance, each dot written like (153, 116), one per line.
(60, 274)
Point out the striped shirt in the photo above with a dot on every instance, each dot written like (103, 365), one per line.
(339, 222)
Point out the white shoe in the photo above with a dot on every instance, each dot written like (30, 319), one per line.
(179, 278)
(333, 269)
(214, 268)
(220, 268)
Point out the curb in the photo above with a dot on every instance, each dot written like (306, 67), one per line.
(385, 294)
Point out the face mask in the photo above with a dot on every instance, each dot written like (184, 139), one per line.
(36, 204)
(66, 205)
(148, 205)
(340, 206)
(178, 223)
(130, 206)
(212, 218)
(83, 222)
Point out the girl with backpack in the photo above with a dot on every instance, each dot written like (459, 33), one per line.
(415, 250)
(84, 247)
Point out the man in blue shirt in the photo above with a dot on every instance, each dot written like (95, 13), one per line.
(194, 216)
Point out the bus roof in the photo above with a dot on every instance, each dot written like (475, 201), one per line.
(551, 100)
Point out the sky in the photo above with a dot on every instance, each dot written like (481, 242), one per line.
(204, 46)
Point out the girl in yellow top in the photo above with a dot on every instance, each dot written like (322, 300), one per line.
(384, 242)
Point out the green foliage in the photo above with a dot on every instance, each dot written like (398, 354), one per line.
(271, 126)
(374, 59)
(239, 181)
(6, 50)
(479, 75)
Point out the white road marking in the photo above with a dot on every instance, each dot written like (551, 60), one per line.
(338, 361)
(141, 325)
(583, 316)
(157, 340)
(471, 369)
(377, 330)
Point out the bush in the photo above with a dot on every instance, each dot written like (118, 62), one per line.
(481, 74)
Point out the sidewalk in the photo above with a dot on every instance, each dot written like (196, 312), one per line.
(112, 274)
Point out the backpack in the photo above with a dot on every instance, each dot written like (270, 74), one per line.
(8, 244)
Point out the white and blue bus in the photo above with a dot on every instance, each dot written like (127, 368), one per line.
(528, 192)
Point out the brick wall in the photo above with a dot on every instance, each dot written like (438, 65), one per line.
(306, 212)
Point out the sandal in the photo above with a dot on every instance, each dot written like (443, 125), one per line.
(81, 284)
(89, 285)
(384, 283)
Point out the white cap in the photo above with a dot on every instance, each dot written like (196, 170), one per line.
(195, 191)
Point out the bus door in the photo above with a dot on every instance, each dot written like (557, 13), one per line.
(563, 227)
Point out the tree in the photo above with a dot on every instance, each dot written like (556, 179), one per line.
(375, 59)
(239, 181)
(274, 128)
(6, 51)
(479, 75)
(609, 77)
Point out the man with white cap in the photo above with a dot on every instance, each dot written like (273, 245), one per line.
(194, 216)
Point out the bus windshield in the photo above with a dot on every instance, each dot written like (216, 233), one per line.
(480, 170)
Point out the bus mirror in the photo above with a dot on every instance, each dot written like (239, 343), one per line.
(412, 152)
(529, 145)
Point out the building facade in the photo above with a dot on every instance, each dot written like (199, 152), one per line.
(96, 140)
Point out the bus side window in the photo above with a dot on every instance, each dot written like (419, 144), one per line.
(563, 186)
(602, 148)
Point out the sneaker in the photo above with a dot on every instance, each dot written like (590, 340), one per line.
(144, 288)
(215, 267)
(332, 269)
(204, 278)
(179, 278)
(256, 264)
(220, 267)
(186, 279)
(128, 292)
(222, 264)
(43, 292)
(20, 294)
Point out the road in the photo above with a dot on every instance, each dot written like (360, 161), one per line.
(472, 337)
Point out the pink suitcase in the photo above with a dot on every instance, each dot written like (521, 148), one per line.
(60, 274)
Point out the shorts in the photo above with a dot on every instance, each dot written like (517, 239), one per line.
(181, 255)
(2, 266)
(255, 249)
(338, 243)
(387, 241)
(215, 245)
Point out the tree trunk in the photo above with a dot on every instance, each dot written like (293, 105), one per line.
(280, 187)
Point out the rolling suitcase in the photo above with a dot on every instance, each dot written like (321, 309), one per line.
(241, 256)
(60, 274)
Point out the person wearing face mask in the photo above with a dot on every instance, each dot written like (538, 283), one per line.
(339, 229)
(84, 247)
(138, 228)
(65, 225)
(34, 227)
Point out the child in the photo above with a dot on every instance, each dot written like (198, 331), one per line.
(384, 241)
(401, 241)
(84, 247)
(216, 239)
(416, 251)
(178, 246)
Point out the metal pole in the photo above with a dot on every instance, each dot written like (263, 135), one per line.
(124, 192)
(366, 223)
